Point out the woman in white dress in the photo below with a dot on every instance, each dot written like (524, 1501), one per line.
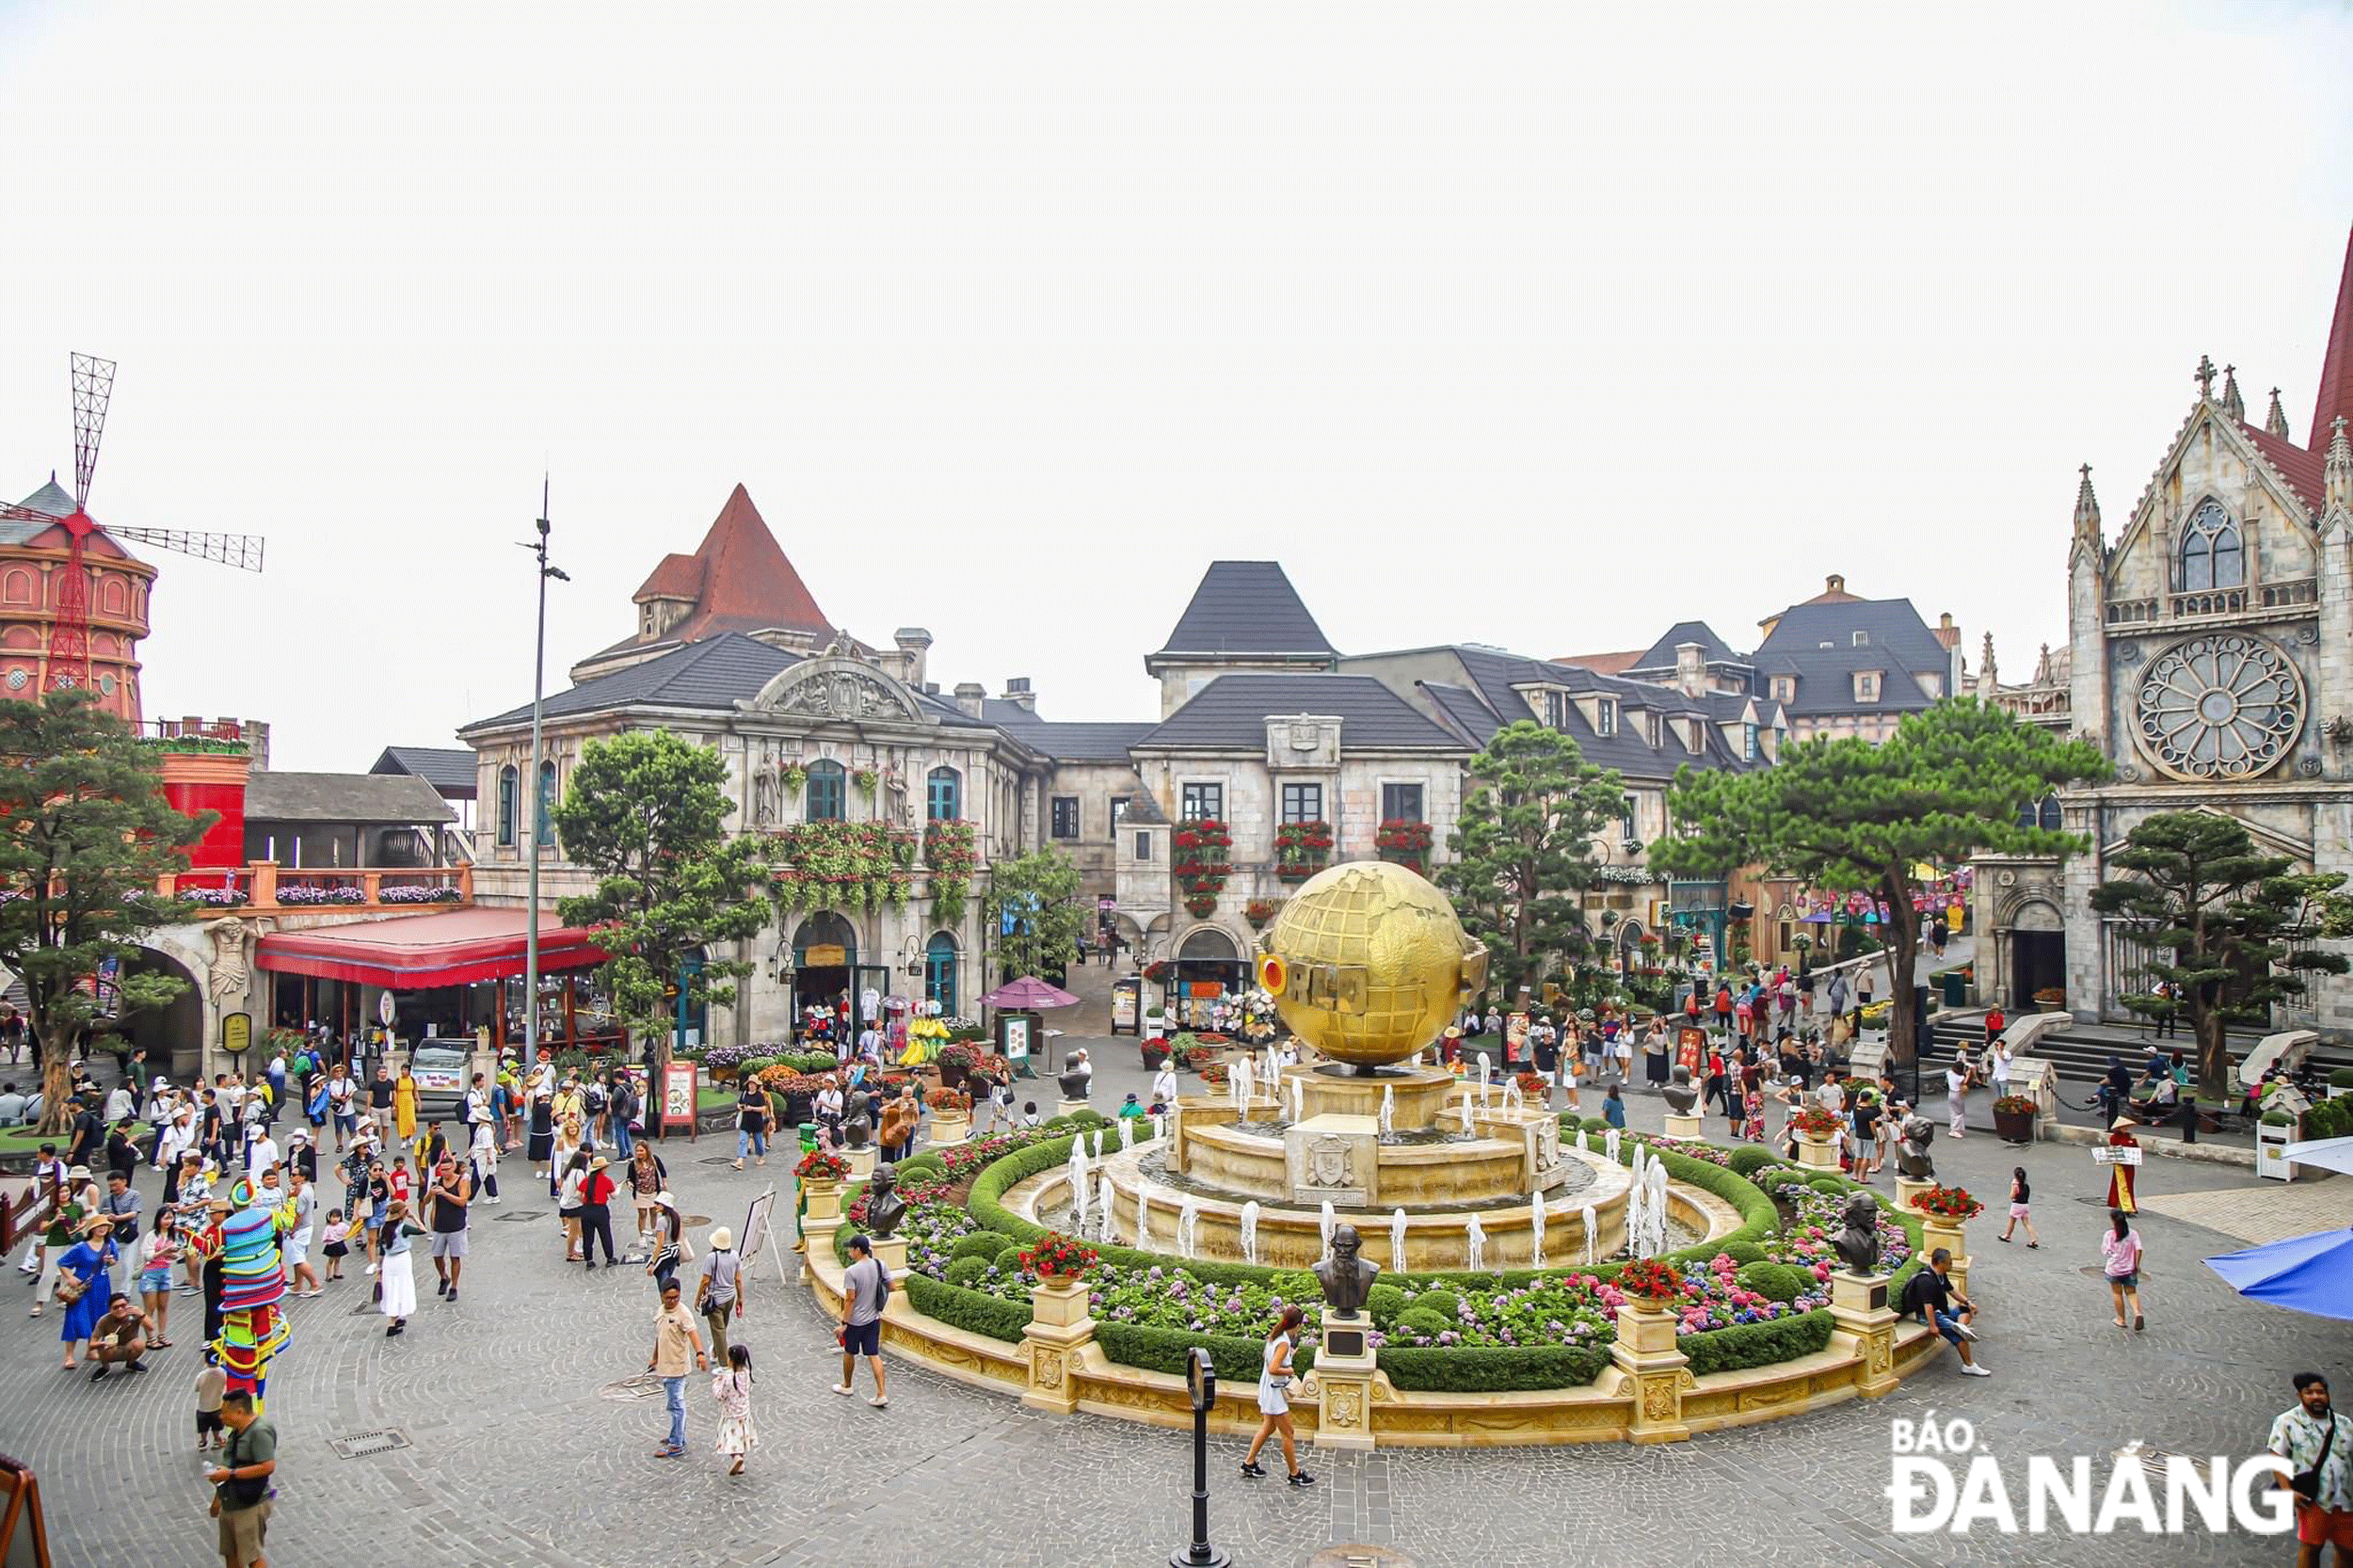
(1274, 1405)
(731, 1385)
(397, 1283)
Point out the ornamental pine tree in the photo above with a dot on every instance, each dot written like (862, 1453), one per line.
(1524, 850)
(2230, 917)
(88, 837)
(1855, 815)
(647, 813)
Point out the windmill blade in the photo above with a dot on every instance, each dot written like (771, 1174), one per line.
(241, 551)
(93, 389)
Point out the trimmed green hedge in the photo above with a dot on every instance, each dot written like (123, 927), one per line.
(1492, 1369)
(1447, 1304)
(968, 1270)
(974, 1311)
(1746, 1345)
(1782, 1282)
(1164, 1350)
(1382, 1303)
(981, 1243)
(1749, 1157)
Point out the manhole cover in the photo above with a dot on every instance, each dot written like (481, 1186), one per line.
(1360, 1557)
(694, 1218)
(646, 1387)
(368, 1442)
(521, 1214)
(716, 1159)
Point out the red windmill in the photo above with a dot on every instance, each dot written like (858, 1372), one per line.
(69, 628)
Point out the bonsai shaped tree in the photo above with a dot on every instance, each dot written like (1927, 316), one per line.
(1859, 815)
(2233, 918)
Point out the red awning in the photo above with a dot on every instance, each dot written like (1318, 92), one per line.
(415, 953)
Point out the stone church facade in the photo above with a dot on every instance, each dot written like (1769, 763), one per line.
(2210, 655)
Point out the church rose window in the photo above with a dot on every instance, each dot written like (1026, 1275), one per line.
(2220, 707)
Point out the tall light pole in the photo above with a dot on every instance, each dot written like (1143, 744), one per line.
(538, 794)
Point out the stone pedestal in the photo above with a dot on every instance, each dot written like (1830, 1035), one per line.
(951, 1127)
(1331, 1158)
(1862, 1309)
(1656, 1373)
(1817, 1154)
(1953, 1237)
(1907, 1190)
(1071, 1108)
(1682, 1127)
(861, 1162)
(891, 1253)
(1059, 1325)
(1343, 1379)
(825, 1201)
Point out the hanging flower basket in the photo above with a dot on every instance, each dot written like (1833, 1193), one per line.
(1300, 849)
(1258, 911)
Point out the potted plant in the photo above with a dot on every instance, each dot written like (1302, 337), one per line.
(2050, 999)
(1942, 1211)
(956, 1062)
(1258, 911)
(1816, 1126)
(1058, 1257)
(2013, 1119)
(951, 1115)
(1154, 1052)
(1650, 1282)
(1536, 1086)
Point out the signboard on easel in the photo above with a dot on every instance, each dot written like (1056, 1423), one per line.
(24, 1536)
(677, 1099)
(1692, 1050)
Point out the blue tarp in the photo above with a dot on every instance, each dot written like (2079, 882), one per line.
(2309, 1273)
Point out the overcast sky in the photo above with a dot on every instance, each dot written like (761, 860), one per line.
(1543, 326)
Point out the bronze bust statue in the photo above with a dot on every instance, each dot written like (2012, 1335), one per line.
(1681, 1098)
(885, 1208)
(1345, 1277)
(1912, 1152)
(1858, 1245)
(858, 1127)
(1074, 1085)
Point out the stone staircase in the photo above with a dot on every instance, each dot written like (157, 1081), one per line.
(2080, 1057)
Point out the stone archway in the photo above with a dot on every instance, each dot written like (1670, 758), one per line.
(175, 1035)
(2034, 942)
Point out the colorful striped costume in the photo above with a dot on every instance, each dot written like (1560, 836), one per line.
(253, 1326)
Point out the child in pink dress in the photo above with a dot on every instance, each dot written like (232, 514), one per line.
(732, 1387)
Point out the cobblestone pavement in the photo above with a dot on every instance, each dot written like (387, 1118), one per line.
(520, 1455)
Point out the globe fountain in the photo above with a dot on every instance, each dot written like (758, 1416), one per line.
(1367, 964)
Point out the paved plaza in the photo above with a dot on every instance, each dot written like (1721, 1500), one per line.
(520, 1449)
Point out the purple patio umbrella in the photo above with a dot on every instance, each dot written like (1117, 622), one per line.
(1028, 994)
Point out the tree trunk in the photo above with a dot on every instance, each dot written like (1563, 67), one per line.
(2214, 1055)
(1903, 925)
(57, 1076)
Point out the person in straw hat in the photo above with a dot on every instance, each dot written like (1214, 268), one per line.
(84, 1282)
(669, 1242)
(596, 1211)
(719, 1289)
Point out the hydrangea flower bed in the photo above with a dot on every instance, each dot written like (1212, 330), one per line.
(1815, 1220)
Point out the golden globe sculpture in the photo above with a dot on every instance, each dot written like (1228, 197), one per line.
(1366, 962)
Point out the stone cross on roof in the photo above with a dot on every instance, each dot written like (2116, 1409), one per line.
(2204, 375)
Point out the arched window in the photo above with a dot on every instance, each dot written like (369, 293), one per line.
(508, 788)
(939, 973)
(2212, 554)
(2043, 813)
(946, 798)
(823, 798)
(546, 804)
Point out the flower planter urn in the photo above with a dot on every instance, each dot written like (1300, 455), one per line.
(2014, 1126)
(951, 1127)
(1817, 1154)
(824, 1198)
(1059, 1301)
(952, 1076)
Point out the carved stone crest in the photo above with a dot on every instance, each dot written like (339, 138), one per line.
(1328, 1161)
(1306, 736)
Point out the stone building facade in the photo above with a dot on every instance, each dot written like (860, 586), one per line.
(2210, 655)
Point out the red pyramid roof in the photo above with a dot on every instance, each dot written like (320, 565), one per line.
(738, 578)
(2335, 396)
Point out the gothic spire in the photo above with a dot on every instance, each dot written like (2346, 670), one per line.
(1989, 678)
(2233, 403)
(2087, 507)
(2277, 422)
(2337, 472)
(2203, 375)
(2335, 396)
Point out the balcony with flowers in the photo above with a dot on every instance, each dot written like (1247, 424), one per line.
(1201, 855)
(1404, 843)
(1301, 848)
(266, 887)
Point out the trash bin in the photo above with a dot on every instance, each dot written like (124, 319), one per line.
(1956, 988)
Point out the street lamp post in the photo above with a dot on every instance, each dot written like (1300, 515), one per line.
(538, 793)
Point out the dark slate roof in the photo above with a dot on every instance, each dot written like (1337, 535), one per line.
(1897, 642)
(50, 499)
(1143, 810)
(1460, 707)
(1663, 653)
(449, 769)
(1230, 713)
(1063, 742)
(716, 673)
(342, 797)
(1246, 607)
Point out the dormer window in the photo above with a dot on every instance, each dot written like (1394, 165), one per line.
(1605, 716)
(1748, 743)
(1657, 730)
(1785, 688)
(1862, 639)
(1557, 709)
(1866, 686)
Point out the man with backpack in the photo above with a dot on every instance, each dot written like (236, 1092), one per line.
(865, 1292)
